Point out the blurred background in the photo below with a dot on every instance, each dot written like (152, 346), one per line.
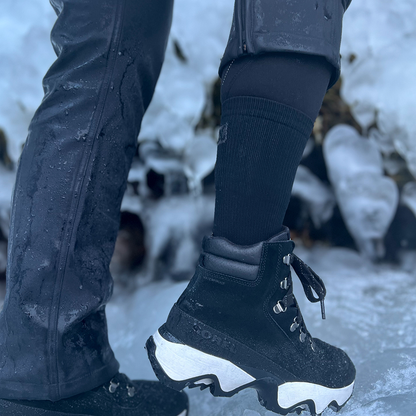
(353, 201)
(356, 185)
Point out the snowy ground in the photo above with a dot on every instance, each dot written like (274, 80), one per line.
(370, 312)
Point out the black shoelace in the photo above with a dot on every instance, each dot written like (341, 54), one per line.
(311, 283)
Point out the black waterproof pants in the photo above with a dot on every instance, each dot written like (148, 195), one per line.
(74, 167)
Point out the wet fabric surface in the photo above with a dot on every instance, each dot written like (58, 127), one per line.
(311, 27)
(71, 179)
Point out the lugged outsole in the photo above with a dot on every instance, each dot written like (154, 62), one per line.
(267, 387)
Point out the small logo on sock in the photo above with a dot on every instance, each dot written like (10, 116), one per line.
(215, 339)
(223, 134)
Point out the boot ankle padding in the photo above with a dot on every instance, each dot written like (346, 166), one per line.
(230, 267)
(222, 256)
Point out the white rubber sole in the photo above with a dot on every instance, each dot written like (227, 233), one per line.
(182, 363)
(289, 394)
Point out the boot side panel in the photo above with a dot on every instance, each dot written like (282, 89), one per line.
(234, 319)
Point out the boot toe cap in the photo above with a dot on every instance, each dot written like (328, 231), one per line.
(337, 368)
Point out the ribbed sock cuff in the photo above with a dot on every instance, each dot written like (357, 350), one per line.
(259, 149)
(268, 110)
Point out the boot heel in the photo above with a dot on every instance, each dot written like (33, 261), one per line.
(179, 365)
(158, 369)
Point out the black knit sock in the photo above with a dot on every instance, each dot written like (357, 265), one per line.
(269, 102)
(260, 146)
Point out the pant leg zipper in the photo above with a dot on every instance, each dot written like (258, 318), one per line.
(243, 26)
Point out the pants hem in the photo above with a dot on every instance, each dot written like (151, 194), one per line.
(15, 390)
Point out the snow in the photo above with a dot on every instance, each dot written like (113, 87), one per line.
(319, 198)
(367, 199)
(7, 179)
(199, 160)
(370, 314)
(25, 56)
(175, 228)
(6, 188)
(408, 197)
(378, 67)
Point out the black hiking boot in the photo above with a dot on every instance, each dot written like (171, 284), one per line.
(119, 397)
(238, 325)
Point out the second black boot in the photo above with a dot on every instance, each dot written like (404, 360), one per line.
(238, 325)
(119, 397)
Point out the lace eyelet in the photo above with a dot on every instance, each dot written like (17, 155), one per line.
(294, 325)
(302, 336)
(287, 259)
(278, 308)
(284, 284)
(131, 391)
(113, 386)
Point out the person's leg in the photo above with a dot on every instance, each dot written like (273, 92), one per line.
(237, 324)
(269, 102)
(65, 212)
